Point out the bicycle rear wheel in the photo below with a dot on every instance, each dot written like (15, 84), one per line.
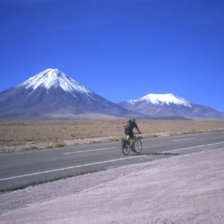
(138, 146)
(125, 148)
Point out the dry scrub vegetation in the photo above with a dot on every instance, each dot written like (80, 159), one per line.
(16, 134)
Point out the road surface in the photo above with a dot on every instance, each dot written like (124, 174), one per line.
(21, 169)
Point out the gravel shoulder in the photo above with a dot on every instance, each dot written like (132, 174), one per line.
(182, 189)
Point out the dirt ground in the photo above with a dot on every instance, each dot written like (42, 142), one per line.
(22, 135)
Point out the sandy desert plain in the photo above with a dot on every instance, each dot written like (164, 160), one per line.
(27, 135)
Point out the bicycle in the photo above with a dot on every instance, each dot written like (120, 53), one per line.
(126, 145)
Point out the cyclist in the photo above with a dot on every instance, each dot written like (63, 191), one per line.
(128, 130)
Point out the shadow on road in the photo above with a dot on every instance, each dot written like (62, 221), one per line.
(160, 154)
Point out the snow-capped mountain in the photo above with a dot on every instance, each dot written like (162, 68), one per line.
(170, 106)
(53, 95)
(54, 78)
(161, 99)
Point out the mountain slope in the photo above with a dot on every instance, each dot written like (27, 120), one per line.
(53, 95)
(169, 105)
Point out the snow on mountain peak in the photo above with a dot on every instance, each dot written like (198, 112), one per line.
(168, 99)
(54, 78)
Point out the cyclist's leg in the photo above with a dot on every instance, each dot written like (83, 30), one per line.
(127, 137)
(132, 137)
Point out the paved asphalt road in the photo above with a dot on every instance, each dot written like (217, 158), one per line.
(20, 169)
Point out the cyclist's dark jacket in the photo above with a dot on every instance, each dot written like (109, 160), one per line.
(129, 128)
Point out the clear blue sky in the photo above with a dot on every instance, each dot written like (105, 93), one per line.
(120, 49)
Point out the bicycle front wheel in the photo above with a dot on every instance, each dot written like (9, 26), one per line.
(138, 146)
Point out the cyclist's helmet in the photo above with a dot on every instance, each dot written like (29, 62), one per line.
(133, 120)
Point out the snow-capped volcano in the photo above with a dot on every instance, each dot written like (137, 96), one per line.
(170, 106)
(53, 95)
(160, 99)
(54, 78)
